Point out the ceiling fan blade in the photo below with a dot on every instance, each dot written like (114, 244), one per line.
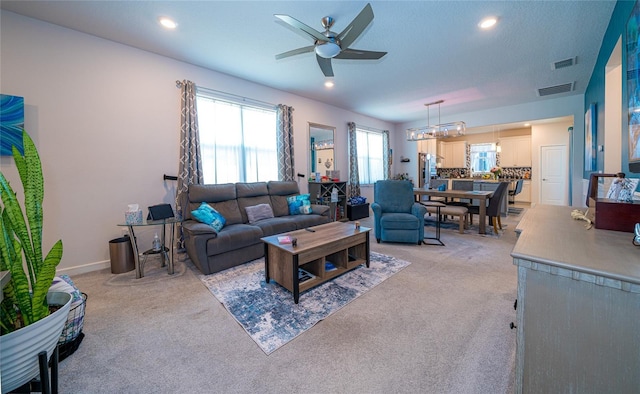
(313, 33)
(356, 27)
(358, 54)
(295, 52)
(325, 66)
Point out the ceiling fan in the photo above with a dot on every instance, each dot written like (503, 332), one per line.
(328, 45)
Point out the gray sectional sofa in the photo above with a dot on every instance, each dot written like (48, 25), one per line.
(239, 241)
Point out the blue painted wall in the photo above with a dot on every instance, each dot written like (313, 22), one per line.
(595, 90)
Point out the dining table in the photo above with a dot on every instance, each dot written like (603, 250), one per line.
(481, 195)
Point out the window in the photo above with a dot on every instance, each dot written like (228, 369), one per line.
(237, 141)
(483, 157)
(371, 160)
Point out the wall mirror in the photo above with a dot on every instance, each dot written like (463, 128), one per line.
(321, 154)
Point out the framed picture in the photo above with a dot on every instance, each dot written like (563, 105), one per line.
(633, 83)
(11, 124)
(590, 138)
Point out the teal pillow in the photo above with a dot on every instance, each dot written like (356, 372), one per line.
(207, 215)
(299, 204)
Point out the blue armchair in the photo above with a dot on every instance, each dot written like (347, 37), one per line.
(397, 217)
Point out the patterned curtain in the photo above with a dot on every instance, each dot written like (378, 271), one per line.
(285, 143)
(354, 176)
(386, 154)
(190, 161)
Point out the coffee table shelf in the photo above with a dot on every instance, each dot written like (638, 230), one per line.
(339, 243)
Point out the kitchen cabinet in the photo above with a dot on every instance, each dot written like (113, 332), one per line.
(428, 146)
(454, 154)
(516, 151)
(525, 194)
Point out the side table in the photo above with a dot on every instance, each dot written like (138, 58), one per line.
(167, 258)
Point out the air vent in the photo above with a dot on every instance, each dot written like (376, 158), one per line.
(564, 63)
(564, 88)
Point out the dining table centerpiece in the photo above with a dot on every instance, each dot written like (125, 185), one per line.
(496, 171)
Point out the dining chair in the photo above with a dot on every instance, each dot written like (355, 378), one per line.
(493, 207)
(461, 185)
(515, 191)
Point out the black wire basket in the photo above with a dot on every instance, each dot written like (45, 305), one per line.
(72, 332)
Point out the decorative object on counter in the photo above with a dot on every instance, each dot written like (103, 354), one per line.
(496, 171)
(579, 215)
(440, 130)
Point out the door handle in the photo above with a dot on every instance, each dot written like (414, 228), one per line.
(544, 179)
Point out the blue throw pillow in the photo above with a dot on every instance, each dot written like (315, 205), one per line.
(442, 188)
(207, 215)
(299, 204)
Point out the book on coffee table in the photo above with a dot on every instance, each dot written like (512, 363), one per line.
(329, 266)
(304, 276)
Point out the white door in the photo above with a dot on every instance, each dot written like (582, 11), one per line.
(553, 175)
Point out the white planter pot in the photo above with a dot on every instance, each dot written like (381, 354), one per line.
(19, 349)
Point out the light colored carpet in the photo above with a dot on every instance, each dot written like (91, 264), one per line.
(267, 312)
(441, 325)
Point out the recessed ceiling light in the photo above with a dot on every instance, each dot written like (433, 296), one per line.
(328, 83)
(488, 23)
(527, 124)
(168, 23)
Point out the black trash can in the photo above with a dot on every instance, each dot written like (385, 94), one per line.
(121, 254)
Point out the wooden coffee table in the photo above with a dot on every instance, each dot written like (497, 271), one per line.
(338, 243)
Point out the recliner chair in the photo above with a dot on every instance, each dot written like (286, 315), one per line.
(397, 216)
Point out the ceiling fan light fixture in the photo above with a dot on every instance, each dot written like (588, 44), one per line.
(328, 50)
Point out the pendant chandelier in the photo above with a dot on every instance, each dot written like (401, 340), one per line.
(440, 130)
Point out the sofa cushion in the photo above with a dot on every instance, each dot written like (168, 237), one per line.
(221, 197)
(279, 191)
(276, 225)
(299, 204)
(207, 215)
(259, 212)
(399, 221)
(251, 194)
(232, 237)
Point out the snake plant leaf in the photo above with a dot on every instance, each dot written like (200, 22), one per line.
(45, 278)
(30, 171)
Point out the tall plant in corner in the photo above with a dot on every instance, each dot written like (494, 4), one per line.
(25, 297)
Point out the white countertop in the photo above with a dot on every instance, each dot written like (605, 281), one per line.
(549, 235)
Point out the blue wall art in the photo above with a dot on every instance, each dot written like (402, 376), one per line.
(11, 123)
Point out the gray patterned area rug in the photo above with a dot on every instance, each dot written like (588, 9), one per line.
(267, 311)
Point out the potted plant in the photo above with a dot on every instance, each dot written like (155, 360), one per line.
(27, 326)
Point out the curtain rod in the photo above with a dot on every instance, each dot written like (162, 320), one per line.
(230, 96)
(370, 128)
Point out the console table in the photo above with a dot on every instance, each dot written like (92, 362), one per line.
(578, 305)
(166, 252)
(320, 193)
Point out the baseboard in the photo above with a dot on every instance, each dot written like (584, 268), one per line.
(81, 269)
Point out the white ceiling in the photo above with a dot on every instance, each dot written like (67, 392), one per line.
(435, 48)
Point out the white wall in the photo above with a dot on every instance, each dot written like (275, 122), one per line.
(105, 118)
